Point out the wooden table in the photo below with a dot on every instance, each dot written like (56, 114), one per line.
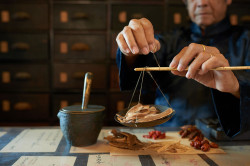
(237, 152)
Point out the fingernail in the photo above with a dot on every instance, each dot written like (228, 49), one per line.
(135, 50)
(188, 75)
(127, 50)
(180, 67)
(173, 64)
(152, 47)
(145, 50)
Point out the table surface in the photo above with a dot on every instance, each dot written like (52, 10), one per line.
(233, 157)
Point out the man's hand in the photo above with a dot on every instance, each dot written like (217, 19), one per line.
(201, 59)
(137, 38)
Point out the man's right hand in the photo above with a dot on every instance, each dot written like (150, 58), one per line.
(137, 38)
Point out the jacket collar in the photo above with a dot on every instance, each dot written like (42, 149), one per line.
(211, 31)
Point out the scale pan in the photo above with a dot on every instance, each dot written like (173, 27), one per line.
(148, 123)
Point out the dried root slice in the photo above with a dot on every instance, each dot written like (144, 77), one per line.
(143, 113)
(124, 140)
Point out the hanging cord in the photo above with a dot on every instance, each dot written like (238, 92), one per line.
(142, 79)
(159, 88)
(136, 88)
(153, 52)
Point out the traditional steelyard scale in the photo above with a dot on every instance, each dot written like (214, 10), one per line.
(161, 108)
(81, 124)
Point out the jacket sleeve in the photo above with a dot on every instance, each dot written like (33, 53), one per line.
(234, 113)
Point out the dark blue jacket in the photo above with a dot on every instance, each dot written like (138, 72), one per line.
(190, 99)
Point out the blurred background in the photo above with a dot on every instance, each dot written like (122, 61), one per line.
(47, 46)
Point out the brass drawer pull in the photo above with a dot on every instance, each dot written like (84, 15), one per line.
(22, 106)
(22, 76)
(137, 15)
(20, 16)
(78, 75)
(80, 16)
(20, 46)
(80, 47)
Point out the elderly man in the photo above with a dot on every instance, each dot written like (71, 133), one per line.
(209, 42)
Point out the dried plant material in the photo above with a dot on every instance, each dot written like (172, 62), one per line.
(190, 132)
(143, 113)
(124, 140)
(174, 148)
(166, 147)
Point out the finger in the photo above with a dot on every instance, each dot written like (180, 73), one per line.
(192, 51)
(157, 45)
(130, 40)
(176, 59)
(194, 67)
(139, 35)
(149, 32)
(122, 44)
(217, 60)
(179, 73)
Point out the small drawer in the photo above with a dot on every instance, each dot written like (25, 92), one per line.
(24, 77)
(23, 46)
(122, 14)
(63, 100)
(114, 78)
(177, 16)
(71, 76)
(23, 16)
(80, 47)
(24, 107)
(81, 17)
(114, 45)
(239, 14)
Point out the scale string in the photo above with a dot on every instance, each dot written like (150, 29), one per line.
(159, 88)
(135, 88)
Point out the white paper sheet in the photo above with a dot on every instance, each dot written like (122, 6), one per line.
(107, 160)
(35, 140)
(45, 161)
(2, 133)
(236, 155)
(176, 160)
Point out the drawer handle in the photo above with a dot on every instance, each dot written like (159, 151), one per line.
(22, 106)
(137, 15)
(78, 75)
(22, 76)
(245, 18)
(21, 16)
(20, 46)
(80, 16)
(80, 47)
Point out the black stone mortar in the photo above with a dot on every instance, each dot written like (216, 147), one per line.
(81, 128)
(81, 124)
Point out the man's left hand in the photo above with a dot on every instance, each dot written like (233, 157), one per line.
(199, 59)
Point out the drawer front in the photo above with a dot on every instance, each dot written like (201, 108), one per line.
(24, 77)
(114, 45)
(122, 14)
(24, 107)
(114, 78)
(71, 76)
(87, 16)
(63, 100)
(23, 16)
(239, 14)
(177, 16)
(23, 46)
(80, 47)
